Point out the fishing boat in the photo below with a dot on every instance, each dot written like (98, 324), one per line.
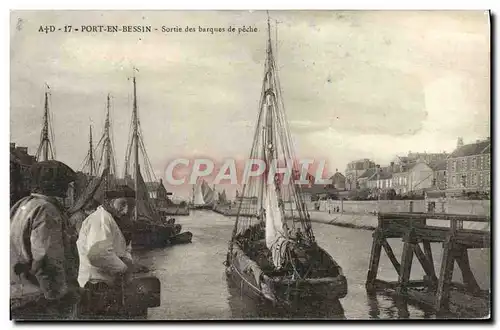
(150, 230)
(203, 196)
(273, 254)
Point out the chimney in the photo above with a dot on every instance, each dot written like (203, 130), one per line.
(460, 142)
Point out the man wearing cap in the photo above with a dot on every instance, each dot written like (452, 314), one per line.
(104, 247)
(42, 284)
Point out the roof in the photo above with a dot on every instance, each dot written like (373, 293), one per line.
(404, 173)
(382, 176)
(439, 165)
(478, 148)
(337, 175)
(435, 194)
(417, 163)
(317, 189)
(368, 173)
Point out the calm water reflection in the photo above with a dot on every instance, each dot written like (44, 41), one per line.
(194, 284)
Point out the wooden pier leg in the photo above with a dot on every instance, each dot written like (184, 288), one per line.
(406, 262)
(428, 254)
(462, 258)
(426, 265)
(374, 260)
(445, 276)
(392, 257)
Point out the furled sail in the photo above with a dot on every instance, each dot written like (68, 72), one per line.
(144, 207)
(276, 235)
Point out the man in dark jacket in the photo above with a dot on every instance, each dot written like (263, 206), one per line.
(43, 279)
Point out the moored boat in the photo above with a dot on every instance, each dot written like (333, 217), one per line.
(272, 256)
(182, 238)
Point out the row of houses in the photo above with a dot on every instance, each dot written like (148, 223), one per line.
(467, 168)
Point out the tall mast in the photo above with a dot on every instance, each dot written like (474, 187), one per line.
(45, 129)
(268, 133)
(45, 144)
(107, 140)
(136, 145)
(91, 153)
(193, 193)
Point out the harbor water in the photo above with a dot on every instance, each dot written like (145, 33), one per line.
(194, 284)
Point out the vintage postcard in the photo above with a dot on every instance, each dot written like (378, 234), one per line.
(243, 165)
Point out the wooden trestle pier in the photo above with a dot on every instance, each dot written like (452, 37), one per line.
(435, 290)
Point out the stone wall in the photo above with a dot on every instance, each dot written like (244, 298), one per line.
(476, 207)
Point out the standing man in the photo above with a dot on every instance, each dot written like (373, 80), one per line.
(77, 217)
(104, 247)
(42, 284)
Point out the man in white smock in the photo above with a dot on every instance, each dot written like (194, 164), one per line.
(104, 247)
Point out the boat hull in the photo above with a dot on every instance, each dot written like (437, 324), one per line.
(288, 294)
(182, 238)
(201, 207)
(154, 236)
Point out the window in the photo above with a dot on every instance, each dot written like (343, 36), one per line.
(487, 181)
(454, 180)
(454, 166)
(481, 179)
(463, 182)
(473, 163)
(487, 162)
(464, 164)
(431, 207)
(473, 179)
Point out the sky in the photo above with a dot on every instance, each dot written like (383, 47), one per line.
(356, 84)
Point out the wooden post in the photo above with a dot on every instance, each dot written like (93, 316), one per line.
(445, 276)
(406, 262)
(430, 258)
(392, 257)
(426, 264)
(374, 260)
(462, 258)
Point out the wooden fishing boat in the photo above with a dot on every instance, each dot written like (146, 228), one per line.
(182, 238)
(157, 233)
(273, 253)
(149, 228)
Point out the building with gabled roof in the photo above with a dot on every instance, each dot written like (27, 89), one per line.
(469, 167)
